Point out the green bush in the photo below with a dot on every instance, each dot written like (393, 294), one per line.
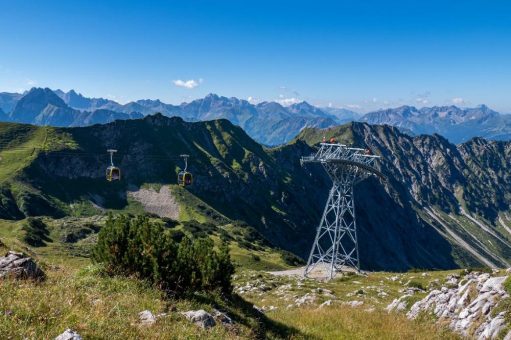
(507, 285)
(478, 269)
(416, 284)
(169, 223)
(137, 246)
(199, 230)
(291, 259)
(36, 232)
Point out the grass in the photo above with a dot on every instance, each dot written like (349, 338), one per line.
(80, 297)
(105, 307)
(268, 259)
(336, 322)
(77, 295)
(340, 321)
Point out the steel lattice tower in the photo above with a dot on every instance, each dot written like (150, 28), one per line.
(336, 243)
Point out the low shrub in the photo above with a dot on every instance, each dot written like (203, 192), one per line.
(416, 284)
(478, 269)
(137, 246)
(291, 259)
(36, 232)
(199, 230)
(169, 223)
(507, 285)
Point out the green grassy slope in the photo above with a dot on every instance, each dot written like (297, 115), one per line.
(77, 295)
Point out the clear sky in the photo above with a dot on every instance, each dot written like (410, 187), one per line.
(360, 54)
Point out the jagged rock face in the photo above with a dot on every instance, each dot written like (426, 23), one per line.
(424, 173)
(18, 266)
(467, 308)
(431, 169)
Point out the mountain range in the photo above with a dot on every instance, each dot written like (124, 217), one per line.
(442, 206)
(269, 123)
(454, 123)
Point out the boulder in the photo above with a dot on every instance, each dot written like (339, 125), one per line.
(19, 266)
(69, 335)
(307, 299)
(222, 317)
(354, 303)
(258, 309)
(398, 304)
(146, 317)
(326, 303)
(201, 318)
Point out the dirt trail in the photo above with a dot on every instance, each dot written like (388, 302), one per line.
(320, 272)
(161, 203)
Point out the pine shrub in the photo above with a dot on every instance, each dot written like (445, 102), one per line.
(137, 246)
(36, 232)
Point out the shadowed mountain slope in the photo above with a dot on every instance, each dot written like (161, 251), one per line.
(443, 206)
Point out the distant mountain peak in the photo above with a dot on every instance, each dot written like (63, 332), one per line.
(212, 95)
(43, 95)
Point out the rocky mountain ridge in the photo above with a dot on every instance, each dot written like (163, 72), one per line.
(442, 206)
(269, 123)
(456, 124)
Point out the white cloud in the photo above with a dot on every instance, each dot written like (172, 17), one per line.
(287, 101)
(422, 100)
(353, 106)
(253, 100)
(31, 82)
(458, 101)
(187, 84)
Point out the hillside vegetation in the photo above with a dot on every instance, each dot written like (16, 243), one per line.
(84, 297)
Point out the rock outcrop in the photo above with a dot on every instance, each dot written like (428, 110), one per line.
(470, 307)
(19, 266)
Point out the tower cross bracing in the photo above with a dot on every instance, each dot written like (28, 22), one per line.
(335, 245)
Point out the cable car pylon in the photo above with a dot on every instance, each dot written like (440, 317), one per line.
(335, 245)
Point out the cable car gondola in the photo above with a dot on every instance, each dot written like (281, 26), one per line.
(184, 178)
(113, 173)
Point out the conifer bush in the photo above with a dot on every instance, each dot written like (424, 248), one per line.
(137, 246)
(36, 232)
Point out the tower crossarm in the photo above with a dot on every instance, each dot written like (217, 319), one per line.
(344, 155)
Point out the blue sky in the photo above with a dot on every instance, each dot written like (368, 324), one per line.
(356, 54)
